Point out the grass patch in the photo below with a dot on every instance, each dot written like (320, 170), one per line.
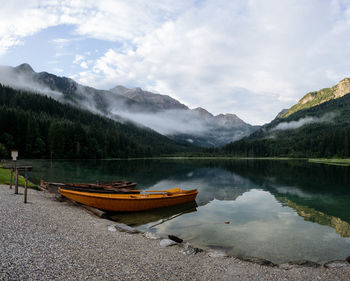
(331, 161)
(5, 178)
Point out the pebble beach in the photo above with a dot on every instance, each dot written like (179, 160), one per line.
(50, 240)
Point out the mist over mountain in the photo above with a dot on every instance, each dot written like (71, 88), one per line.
(161, 113)
(317, 126)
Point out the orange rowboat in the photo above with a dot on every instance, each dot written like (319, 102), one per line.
(131, 202)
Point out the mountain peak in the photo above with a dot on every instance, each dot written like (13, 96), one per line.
(24, 67)
(316, 98)
(202, 112)
(342, 88)
(120, 90)
(229, 119)
(138, 90)
(152, 101)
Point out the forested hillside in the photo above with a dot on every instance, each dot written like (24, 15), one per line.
(41, 127)
(319, 131)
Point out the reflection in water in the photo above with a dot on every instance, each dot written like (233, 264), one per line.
(278, 210)
(211, 184)
(156, 216)
(309, 214)
(261, 226)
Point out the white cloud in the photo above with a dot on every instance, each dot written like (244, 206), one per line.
(78, 58)
(7, 42)
(210, 55)
(84, 65)
(328, 117)
(250, 57)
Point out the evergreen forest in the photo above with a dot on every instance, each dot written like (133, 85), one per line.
(329, 138)
(41, 127)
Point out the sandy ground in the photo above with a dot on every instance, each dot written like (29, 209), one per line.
(49, 240)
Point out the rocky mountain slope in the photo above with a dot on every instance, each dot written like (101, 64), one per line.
(161, 113)
(317, 126)
(321, 96)
(154, 102)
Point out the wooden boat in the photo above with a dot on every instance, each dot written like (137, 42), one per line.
(91, 186)
(131, 202)
(100, 189)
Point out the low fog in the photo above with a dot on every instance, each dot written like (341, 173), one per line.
(121, 108)
(10, 77)
(328, 117)
(169, 122)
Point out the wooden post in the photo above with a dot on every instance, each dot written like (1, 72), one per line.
(25, 185)
(11, 176)
(14, 155)
(16, 179)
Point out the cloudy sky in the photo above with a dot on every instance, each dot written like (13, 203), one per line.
(248, 57)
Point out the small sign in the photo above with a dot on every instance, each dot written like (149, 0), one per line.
(14, 154)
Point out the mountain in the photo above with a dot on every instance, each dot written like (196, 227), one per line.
(219, 130)
(215, 130)
(321, 96)
(161, 113)
(62, 89)
(317, 126)
(155, 102)
(41, 127)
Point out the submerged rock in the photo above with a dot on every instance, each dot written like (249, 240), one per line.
(333, 264)
(188, 249)
(301, 263)
(125, 228)
(217, 254)
(167, 243)
(175, 238)
(306, 263)
(151, 235)
(258, 261)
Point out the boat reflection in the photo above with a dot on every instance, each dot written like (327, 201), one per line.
(157, 216)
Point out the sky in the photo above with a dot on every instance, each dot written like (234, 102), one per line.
(252, 58)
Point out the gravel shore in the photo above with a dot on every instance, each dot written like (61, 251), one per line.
(49, 240)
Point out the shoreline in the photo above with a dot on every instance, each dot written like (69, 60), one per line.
(329, 161)
(46, 239)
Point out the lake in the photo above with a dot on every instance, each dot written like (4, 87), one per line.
(280, 210)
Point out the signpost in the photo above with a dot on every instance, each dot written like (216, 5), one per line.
(14, 155)
(25, 185)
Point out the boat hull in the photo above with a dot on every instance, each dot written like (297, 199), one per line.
(131, 202)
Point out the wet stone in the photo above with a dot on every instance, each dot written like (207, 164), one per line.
(258, 261)
(125, 228)
(188, 249)
(301, 263)
(175, 238)
(334, 264)
(167, 243)
(151, 235)
(112, 228)
(217, 254)
(305, 263)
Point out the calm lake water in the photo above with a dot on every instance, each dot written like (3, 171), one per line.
(274, 209)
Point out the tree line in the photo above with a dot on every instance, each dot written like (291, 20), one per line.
(41, 127)
(326, 139)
